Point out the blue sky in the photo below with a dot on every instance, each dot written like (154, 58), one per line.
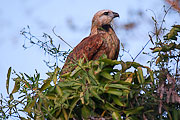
(43, 15)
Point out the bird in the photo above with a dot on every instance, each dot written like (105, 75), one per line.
(101, 40)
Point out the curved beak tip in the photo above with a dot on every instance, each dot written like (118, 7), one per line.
(115, 14)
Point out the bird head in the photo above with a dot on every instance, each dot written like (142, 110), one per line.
(103, 17)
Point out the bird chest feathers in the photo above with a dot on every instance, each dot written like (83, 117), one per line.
(110, 42)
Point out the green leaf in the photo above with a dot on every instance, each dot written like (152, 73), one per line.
(159, 59)
(86, 96)
(49, 74)
(140, 75)
(74, 72)
(66, 75)
(134, 64)
(81, 97)
(65, 114)
(157, 49)
(27, 76)
(73, 104)
(127, 65)
(119, 86)
(124, 66)
(16, 85)
(93, 92)
(154, 19)
(118, 101)
(51, 97)
(59, 91)
(106, 75)
(110, 62)
(133, 111)
(114, 92)
(27, 85)
(28, 107)
(65, 96)
(66, 83)
(177, 27)
(116, 116)
(11, 97)
(55, 75)
(46, 84)
(173, 33)
(91, 77)
(130, 78)
(7, 81)
(110, 107)
(151, 76)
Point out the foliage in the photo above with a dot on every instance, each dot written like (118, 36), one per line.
(95, 90)
(82, 94)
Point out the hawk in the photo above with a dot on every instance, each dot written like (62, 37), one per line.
(102, 40)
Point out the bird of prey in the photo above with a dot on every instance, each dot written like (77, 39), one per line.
(102, 40)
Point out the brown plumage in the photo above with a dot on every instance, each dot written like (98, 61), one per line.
(102, 40)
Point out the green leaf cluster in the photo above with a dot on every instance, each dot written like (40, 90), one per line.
(95, 90)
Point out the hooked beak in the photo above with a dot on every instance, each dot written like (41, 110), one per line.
(115, 14)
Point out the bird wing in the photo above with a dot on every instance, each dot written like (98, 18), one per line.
(88, 47)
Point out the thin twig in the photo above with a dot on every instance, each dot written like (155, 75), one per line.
(128, 54)
(141, 50)
(163, 20)
(61, 38)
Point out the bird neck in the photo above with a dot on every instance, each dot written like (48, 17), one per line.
(100, 29)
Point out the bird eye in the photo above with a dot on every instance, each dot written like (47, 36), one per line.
(106, 13)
